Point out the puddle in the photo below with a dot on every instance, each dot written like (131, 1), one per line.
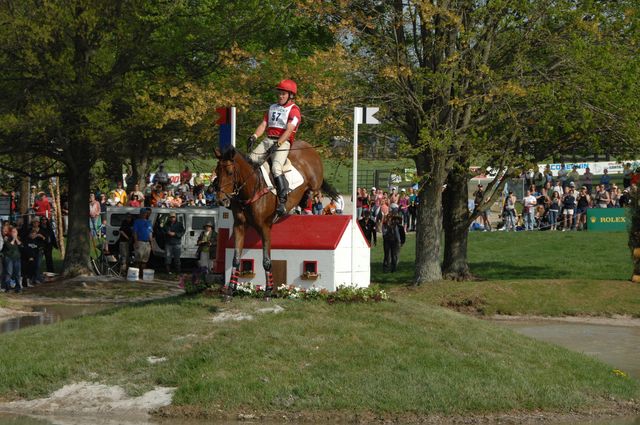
(615, 345)
(50, 313)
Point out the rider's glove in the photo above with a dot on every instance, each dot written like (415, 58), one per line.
(252, 139)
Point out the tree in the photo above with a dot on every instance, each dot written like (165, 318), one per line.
(85, 81)
(570, 103)
(457, 81)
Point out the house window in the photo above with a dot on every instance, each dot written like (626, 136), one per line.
(310, 270)
(246, 267)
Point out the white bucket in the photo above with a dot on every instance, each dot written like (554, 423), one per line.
(147, 274)
(132, 274)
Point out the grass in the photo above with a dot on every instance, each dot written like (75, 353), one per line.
(538, 273)
(534, 255)
(403, 356)
(406, 356)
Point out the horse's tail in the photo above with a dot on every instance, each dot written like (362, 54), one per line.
(328, 189)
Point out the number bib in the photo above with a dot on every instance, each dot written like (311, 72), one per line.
(278, 116)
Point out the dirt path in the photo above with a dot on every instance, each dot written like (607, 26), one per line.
(615, 320)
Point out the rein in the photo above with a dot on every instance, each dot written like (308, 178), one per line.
(235, 195)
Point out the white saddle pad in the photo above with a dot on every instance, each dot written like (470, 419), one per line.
(291, 173)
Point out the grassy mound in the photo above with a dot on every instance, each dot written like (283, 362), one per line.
(401, 356)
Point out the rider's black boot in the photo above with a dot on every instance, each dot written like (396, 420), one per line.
(282, 188)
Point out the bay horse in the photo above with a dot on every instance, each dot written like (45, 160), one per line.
(242, 188)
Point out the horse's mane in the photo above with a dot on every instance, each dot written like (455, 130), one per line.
(231, 153)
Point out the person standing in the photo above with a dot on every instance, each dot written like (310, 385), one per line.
(207, 245)
(94, 215)
(120, 193)
(39, 240)
(281, 123)
(605, 179)
(602, 198)
(12, 261)
(368, 227)
(403, 204)
(568, 209)
(161, 177)
(393, 237)
(49, 242)
(627, 173)
(529, 210)
(142, 237)
(173, 232)
(413, 209)
(137, 192)
(509, 212)
(554, 210)
(125, 239)
(587, 180)
(31, 254)
(583, 203)
(41, 206)
(339, 205)
(317, 204)
(478, 197)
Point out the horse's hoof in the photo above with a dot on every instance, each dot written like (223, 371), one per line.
(227, 298)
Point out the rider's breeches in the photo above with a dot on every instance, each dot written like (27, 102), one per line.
(259, 155)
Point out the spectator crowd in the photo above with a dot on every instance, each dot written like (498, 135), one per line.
(550, 202)
(558, 202)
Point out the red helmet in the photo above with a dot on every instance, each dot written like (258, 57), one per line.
(288, 85)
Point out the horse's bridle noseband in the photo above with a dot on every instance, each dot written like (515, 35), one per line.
(236, 187)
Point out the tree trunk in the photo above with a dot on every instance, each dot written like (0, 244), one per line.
(139, 169)
(77, 256)
(25, 193)
(113, 168)
(456, 226)
(429, 225)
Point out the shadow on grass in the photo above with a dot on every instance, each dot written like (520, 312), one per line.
(402, 276)
(180, 299)
(499, 270)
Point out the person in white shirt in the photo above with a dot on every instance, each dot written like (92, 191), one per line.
(529, 211)
(557, 189)
(339, 205)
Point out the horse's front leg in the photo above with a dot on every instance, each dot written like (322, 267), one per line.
(238, 233)
(265, 235)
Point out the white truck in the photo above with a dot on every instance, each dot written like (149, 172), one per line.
(193, 219)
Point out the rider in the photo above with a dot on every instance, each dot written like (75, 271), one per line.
(281, 123)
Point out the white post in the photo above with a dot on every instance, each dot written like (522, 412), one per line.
(232, 121)
(357, 118)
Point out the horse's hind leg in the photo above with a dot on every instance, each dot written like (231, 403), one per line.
(305, 198)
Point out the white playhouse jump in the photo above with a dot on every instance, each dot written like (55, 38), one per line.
(306, 251)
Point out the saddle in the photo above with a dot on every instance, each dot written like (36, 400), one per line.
(291, 174)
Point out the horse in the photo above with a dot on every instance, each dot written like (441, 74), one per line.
(241, 187)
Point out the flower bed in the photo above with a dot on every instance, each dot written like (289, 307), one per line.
(344, 293)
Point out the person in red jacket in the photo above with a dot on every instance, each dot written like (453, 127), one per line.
(281, 123)
(41, 206)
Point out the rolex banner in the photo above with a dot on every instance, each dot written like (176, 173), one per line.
(607, 219)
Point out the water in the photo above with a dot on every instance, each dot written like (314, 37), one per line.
(50, 313)
(615, 345)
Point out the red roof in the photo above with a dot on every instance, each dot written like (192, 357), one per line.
(300, 232)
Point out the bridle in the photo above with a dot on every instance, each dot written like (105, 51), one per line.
(237, 186)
